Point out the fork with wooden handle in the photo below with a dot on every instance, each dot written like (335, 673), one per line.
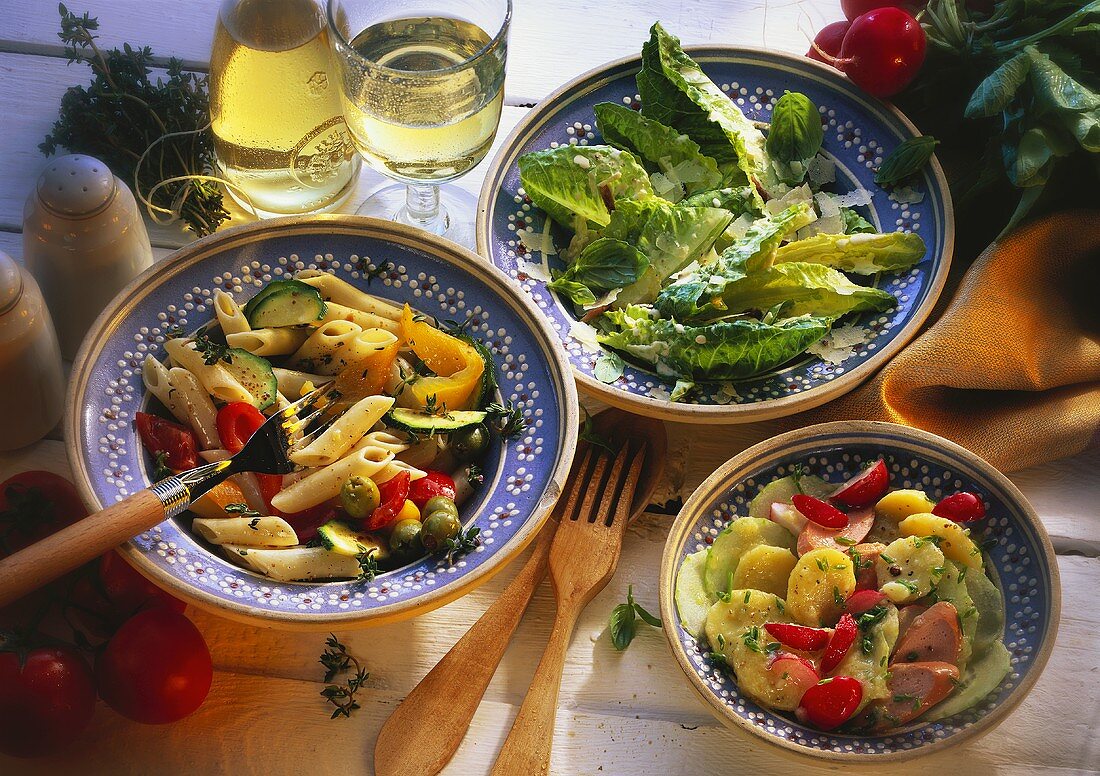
(583, 558)
(426, 729)
(267, 451)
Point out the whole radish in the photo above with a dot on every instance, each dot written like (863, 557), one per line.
(883, 51)
(827, 42)
(853, 9)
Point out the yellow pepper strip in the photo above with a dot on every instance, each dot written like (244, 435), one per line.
(457, 364)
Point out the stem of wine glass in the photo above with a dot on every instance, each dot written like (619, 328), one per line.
(422, 207)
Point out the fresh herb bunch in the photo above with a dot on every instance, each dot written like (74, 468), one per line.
(622, 623)
(1017, 88)
(337, 660)
(123, 114)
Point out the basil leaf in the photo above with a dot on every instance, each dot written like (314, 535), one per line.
(622, 626)
(646, 616)
(907, 159)
(609, 367)
(997, 90)
(796, 133)
(578, 293)
(1054, 87)
(1085, 127)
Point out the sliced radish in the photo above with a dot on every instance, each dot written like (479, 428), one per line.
(862, 600)
(818, 511)
(831, 702)
(788, 517)
(865, 488)
(960, 507)
(791, 677)
(814, 536)
(798, 636)
(842, 640)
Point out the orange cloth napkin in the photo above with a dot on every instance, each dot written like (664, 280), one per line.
(1011, 369)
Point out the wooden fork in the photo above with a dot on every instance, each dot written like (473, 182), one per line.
(583, 558)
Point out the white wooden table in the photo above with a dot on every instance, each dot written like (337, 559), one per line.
(620, 713)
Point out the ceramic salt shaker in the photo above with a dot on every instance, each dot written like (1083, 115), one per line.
(32, 389)
(83, 240)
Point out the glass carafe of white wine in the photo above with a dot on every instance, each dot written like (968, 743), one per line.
(422, 83)
(279, 131)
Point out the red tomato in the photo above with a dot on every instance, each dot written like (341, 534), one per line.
(819, 511)
(46, 700)
(237, 422)
(827, 42)
(798, 636)
(177, 442)
(862, 600)
(128, 591)
(156, 669)
(853, 9)
(844, 636)
(33, 505)
(270, 484)
(392, 494)
(883, 51)
(436, 483)
(831, 702)
(961, 507)
(865, 488)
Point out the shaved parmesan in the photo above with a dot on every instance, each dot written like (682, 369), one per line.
(534, 270)
(838, 345)
(585, 335)
(854, 198)
(537, 242)
(795, 196)
(821, 170)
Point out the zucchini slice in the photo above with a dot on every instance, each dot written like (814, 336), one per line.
(422, 423)
(285, 303)
(254, 373)
(339, 537)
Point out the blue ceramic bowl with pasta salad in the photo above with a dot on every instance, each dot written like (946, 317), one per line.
(448, 423)
(704, 230)
(860, 591)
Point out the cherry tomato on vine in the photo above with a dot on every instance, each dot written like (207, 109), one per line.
(47, 696)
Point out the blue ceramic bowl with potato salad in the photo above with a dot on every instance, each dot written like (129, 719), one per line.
(918, 622)
(519, 363)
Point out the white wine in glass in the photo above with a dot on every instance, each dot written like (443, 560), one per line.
(422, 93)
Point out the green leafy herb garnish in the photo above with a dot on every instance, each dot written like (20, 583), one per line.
(507, 419)
(212, 352)
(622, 622)
(463, 543)
(336, 659)
(241, 510)
(905, 161)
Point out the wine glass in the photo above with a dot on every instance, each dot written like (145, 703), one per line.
(422, 85)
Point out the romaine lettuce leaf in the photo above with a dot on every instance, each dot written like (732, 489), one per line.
(670, 157)
(863, 254)
(604, 264)
(854, 223)
(676, 92)
(566, 181)
(727, 350)
(738, 201)
(670, 236)
(699, 293)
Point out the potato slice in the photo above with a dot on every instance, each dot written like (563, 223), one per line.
(954, 542)
(819, 585)
(899, 504)
(908, 568)
(765, 568)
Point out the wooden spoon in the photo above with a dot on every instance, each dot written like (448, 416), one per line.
(424, 732)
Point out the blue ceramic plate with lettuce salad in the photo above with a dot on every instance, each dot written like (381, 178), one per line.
(704, 231)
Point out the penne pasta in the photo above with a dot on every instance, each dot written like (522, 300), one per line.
(293, 383)
(423, 453)
(214, 378)
(333, 289)
(385, 439)
(323, 352)
(230, 316)
(270, 342)
(395, 467)
(246, 531)
(325, 483)
(195, 402)
(348, 429)
(155, 376)
(338, 312)
(294, 563)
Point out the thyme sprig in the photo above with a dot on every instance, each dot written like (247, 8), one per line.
(337, 660)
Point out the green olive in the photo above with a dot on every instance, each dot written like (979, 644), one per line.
(440, 504)
(405, 538)
(438, 528)
(359, 497)
(470, 442)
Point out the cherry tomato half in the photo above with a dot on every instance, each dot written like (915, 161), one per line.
(46, 700)
(862, 600)
(798, 636)
(818, 511)
(237, 422)
(436, 483)
(865, 488)
(960, 507)
(831, 702)
(156, 669)
(177, 442)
